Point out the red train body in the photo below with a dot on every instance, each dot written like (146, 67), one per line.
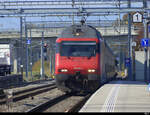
(83, 61)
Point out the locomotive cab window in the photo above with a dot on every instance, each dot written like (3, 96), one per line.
(78, 49)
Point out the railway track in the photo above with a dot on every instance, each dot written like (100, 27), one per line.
(51, 101)
(19, 95)
(43, 107)
(78, 106)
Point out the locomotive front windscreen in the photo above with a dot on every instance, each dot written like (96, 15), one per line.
(78, 48)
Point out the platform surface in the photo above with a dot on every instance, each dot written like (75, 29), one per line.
(120, 96)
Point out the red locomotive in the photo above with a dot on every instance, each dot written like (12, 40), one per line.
(83, 60)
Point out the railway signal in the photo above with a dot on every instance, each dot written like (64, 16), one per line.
(45, 47)
(45, 51)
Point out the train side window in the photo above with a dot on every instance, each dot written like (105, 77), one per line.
(98, 48)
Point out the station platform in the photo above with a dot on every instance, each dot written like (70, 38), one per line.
(119, 96)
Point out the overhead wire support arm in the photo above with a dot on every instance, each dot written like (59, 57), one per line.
(36, 8)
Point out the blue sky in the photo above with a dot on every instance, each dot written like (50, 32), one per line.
(9, 23)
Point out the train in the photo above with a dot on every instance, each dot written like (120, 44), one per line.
(83, 59)
(5, 59)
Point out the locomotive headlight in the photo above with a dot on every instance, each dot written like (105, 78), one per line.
(63, 70)
(91, 70)
(77, 34)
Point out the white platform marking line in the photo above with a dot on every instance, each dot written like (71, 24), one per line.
(110, 102)
(115, 100)
(85, 107)
(112, 99)
(106, 101)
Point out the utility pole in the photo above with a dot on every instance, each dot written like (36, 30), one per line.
(146, 54)
(133, 57)
(21, 47)
(120, 69)
(31, 54)
(27, 55)
(42, 56)
(73, 14)
(119, 30)
(145, 36)
(51, 59)
(129, 41)
(148, 35)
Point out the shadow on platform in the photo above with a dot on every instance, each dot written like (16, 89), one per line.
(127, 82)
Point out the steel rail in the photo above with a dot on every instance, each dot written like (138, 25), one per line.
(79, 105)
(43, 106)
(19, 95)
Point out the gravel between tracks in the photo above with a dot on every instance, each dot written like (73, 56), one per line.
(32, 85)
(20, 106)
(65, 105)
(28, 103)
(25, 104)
